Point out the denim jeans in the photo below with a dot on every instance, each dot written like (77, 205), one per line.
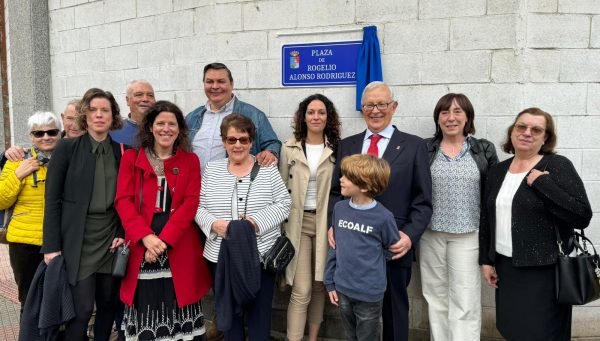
(360, 319)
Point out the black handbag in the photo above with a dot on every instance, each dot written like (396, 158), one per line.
(577, 273)
(282, 252)
(121, 259)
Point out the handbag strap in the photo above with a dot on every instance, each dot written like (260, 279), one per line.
(253, 174)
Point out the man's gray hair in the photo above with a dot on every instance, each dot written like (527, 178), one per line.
(136, 81)
(374, 85)
(42, 118)
(72, 102)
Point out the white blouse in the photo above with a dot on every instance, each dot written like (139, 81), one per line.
(313, 155)
(504, 200)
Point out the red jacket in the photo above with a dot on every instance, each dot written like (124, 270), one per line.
(191, 277)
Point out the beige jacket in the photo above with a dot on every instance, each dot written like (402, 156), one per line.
(295, 173)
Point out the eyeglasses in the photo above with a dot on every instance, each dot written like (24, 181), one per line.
(233, 140)
(380, 106)
(41, 133)
(535, 131)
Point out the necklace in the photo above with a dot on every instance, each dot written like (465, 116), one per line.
(157, 163)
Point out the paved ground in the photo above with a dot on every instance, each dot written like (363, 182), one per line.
(9, 302)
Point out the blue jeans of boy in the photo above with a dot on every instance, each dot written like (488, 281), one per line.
(360, 319)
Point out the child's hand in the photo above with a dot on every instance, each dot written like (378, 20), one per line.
(333, 297)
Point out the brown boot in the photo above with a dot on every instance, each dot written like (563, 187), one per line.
(212, 333)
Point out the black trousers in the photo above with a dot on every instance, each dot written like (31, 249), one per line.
(24, 260)
(395, 301)
(98, 288)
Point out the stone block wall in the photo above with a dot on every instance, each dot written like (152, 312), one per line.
(505, 55)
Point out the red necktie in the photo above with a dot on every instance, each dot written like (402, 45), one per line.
(373, 150)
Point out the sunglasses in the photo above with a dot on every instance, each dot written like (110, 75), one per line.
(41, 133)
(233, 140)
(535, 131)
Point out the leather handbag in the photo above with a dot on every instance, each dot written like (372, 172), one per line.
(280, 254)
(577, 273)
(121, 259)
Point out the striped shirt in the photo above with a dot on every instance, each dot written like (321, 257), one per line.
(268, 204)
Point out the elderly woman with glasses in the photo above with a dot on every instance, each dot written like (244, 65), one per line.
(526, 198)
(22, 186)
(241, 209)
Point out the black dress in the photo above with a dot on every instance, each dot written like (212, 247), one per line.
(155, 314)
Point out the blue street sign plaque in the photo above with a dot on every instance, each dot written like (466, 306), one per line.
(319, 64)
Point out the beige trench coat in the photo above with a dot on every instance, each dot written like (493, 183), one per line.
(295, 173)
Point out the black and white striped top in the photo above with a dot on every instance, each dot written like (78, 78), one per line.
(268, 204)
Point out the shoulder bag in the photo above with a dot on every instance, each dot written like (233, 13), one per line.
(577, 273)
(282, 251)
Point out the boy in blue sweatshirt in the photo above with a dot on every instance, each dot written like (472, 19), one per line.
(364, 229)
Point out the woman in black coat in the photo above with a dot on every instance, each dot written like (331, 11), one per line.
(80, 221)
(526, 197)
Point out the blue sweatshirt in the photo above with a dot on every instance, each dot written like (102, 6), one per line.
(356, 267)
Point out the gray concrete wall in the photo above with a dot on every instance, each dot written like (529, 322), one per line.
(28, 62)
(505, 55)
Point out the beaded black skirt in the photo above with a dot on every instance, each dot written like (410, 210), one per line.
(155, 314)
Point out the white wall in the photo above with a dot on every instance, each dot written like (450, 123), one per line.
(505, 55)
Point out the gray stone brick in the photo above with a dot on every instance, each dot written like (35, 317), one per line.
(479, 33)
(456, 67)
(542, 6)
(155, 53)
(450, 8)
(402, 69)
(264, 74)
(579, 6)
(343, 98)
(332, 12)
(559, 31)
(107, 35)
(118, 10)
(53, 4)
(73, 40)
(175, 25)
(76, 85)
(508, 66)
(593, 99)
(384, 10)
(199, 48)
(121, 57)
(418, 101)
(63, 64)
(153, 7)
(242, 46)
(139, 30)
(89, 14)
(556, 98)
(503, 6)
(416, 36)
(595, 32)
(580, 65)
(189, 100)
(89, 61)
(542, 65)
(179, 77)
(112, 81)
(62, 19)
(492, 99)
(320, 35)
(187, 4)
(208, 19)
(69, 3)
(268, 15)
(150, 74)
(578, 132)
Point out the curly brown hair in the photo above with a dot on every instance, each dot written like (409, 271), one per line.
(145, 135)
(332, 126)
(83, 108)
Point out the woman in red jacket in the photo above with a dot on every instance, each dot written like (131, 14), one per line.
(157, 197)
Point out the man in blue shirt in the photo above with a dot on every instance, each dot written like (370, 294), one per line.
(140, 98)
(204, 122)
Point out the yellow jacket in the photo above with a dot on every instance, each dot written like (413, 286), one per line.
(28, 215)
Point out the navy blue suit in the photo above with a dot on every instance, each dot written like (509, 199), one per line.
(408, 197)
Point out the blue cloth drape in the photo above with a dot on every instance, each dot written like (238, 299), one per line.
(368, 65)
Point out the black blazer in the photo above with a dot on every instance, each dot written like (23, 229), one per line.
(408, 195)
(557, 199)
(69, 185)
